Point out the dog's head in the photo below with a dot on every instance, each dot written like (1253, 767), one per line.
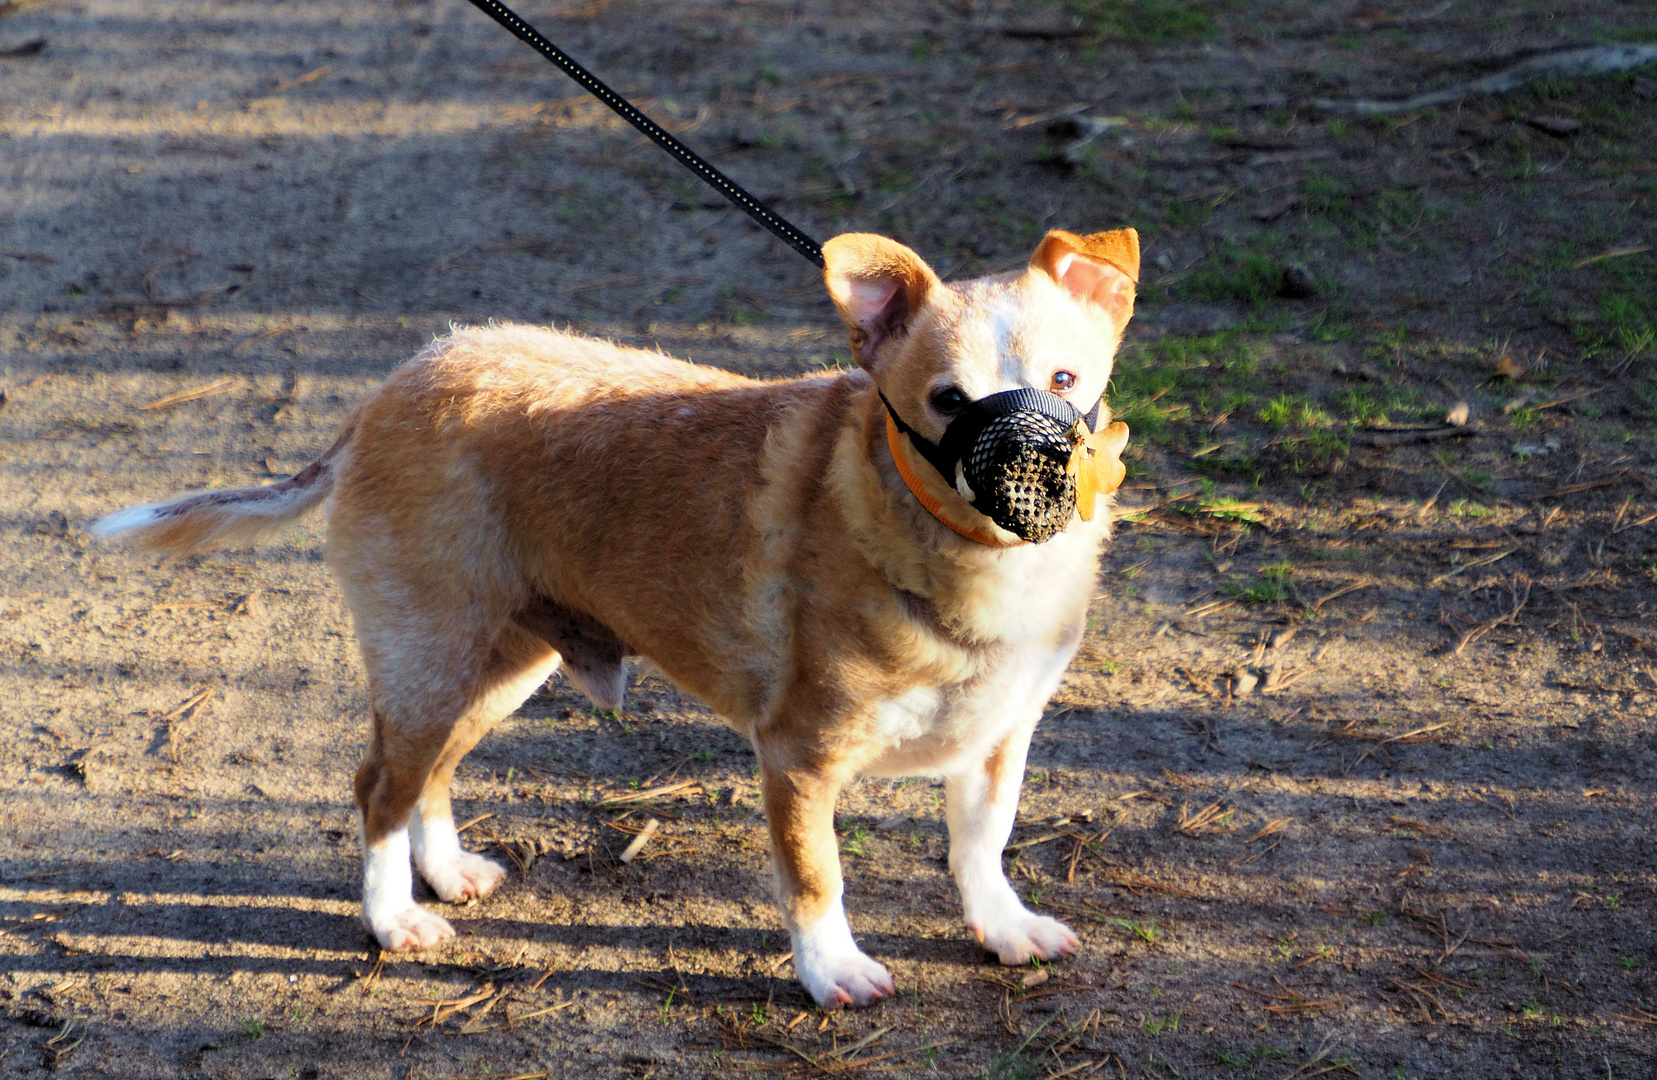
(936, 350)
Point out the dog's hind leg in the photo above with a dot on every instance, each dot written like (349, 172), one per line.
(518, 664)
(982, 804)
(428, 711)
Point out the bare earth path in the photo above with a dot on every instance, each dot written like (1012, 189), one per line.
(1353, 776)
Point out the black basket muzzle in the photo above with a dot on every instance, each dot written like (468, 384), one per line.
(1009, 456)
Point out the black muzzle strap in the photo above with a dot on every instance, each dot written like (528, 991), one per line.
(943, 455)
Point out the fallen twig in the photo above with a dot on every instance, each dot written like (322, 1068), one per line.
(1194, 824)
(1342, 591)
(1584, 485)
(190, 710)
(1271, 828)
(1478, 630)
(1614, 253)
(1466, 566)
(1127, 879)
(1570, 63)
(182, 396)
(1641, 1016)
(626, 797)
(442, 1010)
(1403, 438)
(632, 850)
(1408, 737)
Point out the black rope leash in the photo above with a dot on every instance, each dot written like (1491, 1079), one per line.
(681, 153)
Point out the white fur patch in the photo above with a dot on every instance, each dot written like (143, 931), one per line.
(454, 873)
(388, 908)
(123, 521)
(1004, 313)
(831, 966)
(909, 716)
(980, 819)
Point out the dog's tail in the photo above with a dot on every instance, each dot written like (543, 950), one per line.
(201, 520)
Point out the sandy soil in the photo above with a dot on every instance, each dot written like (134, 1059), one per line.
(1423, 845)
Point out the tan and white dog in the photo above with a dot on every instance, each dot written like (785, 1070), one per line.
(514, 496)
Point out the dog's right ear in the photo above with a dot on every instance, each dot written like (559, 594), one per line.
(1100, 269)
(878, 285)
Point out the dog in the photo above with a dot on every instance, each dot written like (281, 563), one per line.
(805, 555)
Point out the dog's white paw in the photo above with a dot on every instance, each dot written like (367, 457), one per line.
(844, 978)
(412, 927)
(464, 877)
(831, 966)
(1024, 936)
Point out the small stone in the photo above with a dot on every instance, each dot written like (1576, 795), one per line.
(1243, 683)
(1297, 284)
(1458, 414)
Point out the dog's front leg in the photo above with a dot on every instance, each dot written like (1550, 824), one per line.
(799, 806)
(983, 802)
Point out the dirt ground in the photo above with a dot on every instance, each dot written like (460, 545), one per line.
(1352, 776)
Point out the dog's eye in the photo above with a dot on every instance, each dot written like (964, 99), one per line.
(949, 400)
(1063, 381)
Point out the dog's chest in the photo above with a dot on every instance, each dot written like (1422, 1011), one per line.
(940, 730)
(1031, 604)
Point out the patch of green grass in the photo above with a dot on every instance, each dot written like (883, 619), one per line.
(1249, 277)
(1293, 410)
(856, 841)
(1152, 21)
(1401, 208)
(1380, 406)
(1646, 391)
(1270, 585)
(1223, 507)
(1182, 214)
(1146, 931)
(1333, 325)
(1158, 387)
(1161, 1024)
(1469, 509)
(1317, 448)
(1326, 195)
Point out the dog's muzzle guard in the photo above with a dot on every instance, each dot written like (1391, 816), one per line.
(1023, 458)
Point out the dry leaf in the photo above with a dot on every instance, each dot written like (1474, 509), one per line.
(1097, 466)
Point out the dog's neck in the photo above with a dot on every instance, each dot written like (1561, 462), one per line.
(965, 581)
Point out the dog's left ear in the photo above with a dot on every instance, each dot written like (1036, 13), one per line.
(1099, 269)
(878, 285)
